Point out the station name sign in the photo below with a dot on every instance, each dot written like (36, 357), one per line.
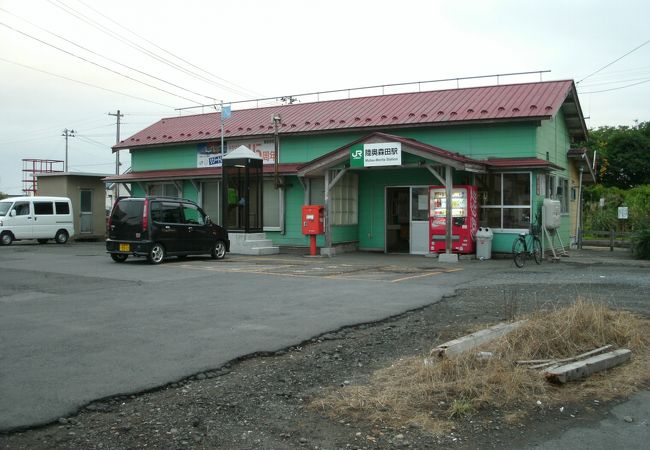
(376, 155)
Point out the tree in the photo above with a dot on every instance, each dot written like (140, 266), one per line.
(624, 154)
(3, 195)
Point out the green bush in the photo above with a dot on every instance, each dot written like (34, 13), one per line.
(606, 218)
(641, 244)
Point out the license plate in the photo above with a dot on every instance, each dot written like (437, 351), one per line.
(125, 248)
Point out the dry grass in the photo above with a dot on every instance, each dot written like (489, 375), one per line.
(430, 396)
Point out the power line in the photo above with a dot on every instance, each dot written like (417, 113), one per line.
(255, 94)
(93, 165)
(96, 64)
(602, 83)
(88, 140)
(84, 18)
(617, 88)
(82, 82)
(105, 57)
(616, 60)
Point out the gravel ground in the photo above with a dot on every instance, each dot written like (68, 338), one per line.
(261, 401)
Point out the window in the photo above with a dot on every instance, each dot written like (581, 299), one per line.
(317, 191)
(420, 204)
(551, 187)
(22, 208)
(506, 200)
(558, 189)
(192, 214)
(43, 208)
(563, 195)
(345, 200)
(62, 207)
(128, 211)
(166, 212)
(164, 190)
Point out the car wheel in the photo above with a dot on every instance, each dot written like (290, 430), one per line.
(219, 250)
(156, 254)
(6, 238)
(119, 257)
(61, 237)
(42, 241)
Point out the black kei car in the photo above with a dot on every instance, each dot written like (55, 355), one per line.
(157, 227)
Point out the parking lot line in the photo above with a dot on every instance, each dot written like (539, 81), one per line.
(416, 276)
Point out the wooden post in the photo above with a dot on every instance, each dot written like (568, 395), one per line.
(584, 368)
(462, 344)
(611, 240)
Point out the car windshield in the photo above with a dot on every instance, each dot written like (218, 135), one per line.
(4, 208)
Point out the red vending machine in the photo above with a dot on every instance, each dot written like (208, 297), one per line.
(464, 211)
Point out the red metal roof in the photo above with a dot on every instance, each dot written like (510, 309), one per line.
(532, 101)
(186, 174)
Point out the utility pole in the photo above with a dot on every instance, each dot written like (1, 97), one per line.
(67, 133)
(116, 185)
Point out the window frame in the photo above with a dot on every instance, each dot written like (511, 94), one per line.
(501, 207)
(345, 201)
(163, 191)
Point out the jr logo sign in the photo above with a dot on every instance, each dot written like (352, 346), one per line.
(356, 156)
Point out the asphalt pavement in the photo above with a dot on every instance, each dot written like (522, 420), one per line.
(76, 327)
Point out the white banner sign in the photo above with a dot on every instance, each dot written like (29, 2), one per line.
(382, 154)
(265, 149)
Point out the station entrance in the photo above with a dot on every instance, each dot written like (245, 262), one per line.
(407, 219)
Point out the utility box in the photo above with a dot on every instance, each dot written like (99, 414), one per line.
(484, 243)
(313, 219)
(552, 214)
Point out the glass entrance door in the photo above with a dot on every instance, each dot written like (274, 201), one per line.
(398, 220)
(86, 211)
(420, 220)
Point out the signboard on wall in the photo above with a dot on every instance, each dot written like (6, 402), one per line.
(209, 155)
(264, 148)
(376, 154)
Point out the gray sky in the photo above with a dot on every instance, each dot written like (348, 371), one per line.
(253, 48)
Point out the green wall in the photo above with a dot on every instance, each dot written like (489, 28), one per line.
(164, 158)
(553, 138)
(298, 149)
(480, 141)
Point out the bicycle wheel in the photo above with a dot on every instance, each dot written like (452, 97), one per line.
(518, 252)
(537, 250)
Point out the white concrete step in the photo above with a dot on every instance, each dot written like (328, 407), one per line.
(252, 244)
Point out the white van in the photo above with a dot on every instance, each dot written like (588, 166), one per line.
(40, 218)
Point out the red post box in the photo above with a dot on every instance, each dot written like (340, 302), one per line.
(313, 223)
(313, 219)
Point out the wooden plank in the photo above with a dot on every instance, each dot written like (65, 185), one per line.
(584, 368)
(462, 344)
(557, 362)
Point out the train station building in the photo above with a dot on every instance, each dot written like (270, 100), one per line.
(378, 165)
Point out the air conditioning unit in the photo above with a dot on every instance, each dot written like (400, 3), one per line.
(552, 214)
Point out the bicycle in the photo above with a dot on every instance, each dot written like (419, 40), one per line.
(526, 245)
